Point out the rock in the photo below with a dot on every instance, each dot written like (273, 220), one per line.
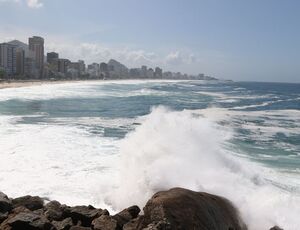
(184, 209)
(30, 202)
(276, 228)
(105, 222)
(54, 211)
(126, 215)
(79, 228)
(3, 216)
(66, 224)
(5, 203)
(161, 225)
(29, 220)
(14, 212)
(138, 224)
(85, 214)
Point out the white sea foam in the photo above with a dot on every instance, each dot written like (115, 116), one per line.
(87, 89)
(59, 162)
(179, 149)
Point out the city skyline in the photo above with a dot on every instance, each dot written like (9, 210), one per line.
(28, 61)
(256, 41)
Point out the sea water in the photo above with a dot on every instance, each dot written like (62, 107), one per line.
(113, 144)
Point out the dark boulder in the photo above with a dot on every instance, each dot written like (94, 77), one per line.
(5, 204)
(126, 215)
(54, 211)
(3, 216)
(276, 228)
(84, 214)
(105, 222)
(30, 202)
(184, 209)
(30, 221)
(80, 228)
(65, 224)
(138, 224)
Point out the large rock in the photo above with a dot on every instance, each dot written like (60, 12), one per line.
(27, 221)
(30, 202)
(184, 209)
(5, 203)
(65, 224)
(105, 222)
(84, 214)
(276, 228)
(79, 228)
(54, 211)
(126, 215)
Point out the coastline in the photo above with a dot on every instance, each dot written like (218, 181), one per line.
(19, 84)
(29, 83)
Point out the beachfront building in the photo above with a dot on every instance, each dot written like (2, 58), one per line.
(36, 46)
(62, 65)
(51, 57)
(144, 71)
(20, 61)
(158, 72)
(8, 59)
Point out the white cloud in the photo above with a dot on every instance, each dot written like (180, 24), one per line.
(30, 3)
(34, 3)
(180, 58)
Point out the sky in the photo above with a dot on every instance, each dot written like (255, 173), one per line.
(243, 40)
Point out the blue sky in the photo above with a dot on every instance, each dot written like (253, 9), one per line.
(233, 39)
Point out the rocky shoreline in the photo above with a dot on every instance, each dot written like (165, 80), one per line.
(173, 209)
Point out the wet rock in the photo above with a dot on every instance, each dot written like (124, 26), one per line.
(80, 228)
(161, 225)
(29, 220)
(4, 225)
(84, 214)
(126, 215)
(276, 228)
(30, 202)
(65, 224)
(54, 211)
(5, 203)
(105, 222)
(3, 216)
(184, 209)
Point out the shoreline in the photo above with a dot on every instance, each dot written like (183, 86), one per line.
(29, 83)
(176, 208)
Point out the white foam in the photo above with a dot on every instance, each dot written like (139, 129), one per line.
(174, 149)
(88, 89)
(55, 161)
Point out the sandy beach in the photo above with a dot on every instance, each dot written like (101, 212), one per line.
(17, 84)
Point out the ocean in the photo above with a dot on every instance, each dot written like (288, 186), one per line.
(113, 144)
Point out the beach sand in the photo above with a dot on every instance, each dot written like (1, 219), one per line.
(17, 84)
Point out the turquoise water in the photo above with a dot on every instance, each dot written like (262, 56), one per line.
(74, 137)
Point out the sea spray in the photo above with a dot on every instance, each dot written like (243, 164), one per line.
(183, 149)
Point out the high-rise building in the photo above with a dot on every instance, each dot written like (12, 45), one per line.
(20, 61)
(36, 45)
(52, 57)
(158, 72)
(150, 73)
(8, 58)
(103, 67)
(81, 67)
(144, 71)
(62, 65)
